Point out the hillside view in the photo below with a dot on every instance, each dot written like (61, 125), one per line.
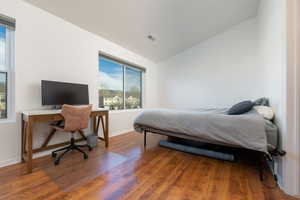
(113, 99)
(2, 100)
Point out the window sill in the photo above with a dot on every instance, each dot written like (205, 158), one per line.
(126, 110)
(7, 121)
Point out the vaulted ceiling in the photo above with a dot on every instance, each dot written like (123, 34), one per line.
(175, 24)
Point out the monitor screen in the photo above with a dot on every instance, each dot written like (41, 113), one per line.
(59, 93)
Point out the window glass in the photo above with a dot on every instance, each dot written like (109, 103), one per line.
(133, 88)
(3, 74)
(3, 95)
(120, 86)
(2, 48)
(7, 32)
(111, 85)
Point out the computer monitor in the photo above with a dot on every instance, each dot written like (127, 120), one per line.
(59, 93)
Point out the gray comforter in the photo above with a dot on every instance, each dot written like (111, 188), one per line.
(209, 125)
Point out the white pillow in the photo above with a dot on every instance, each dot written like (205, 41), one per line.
(265, 111)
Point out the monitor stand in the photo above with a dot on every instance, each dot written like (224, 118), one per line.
(57, 107)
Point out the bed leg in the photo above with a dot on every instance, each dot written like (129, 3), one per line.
(261, 166)
(145, 139)
(261, 173)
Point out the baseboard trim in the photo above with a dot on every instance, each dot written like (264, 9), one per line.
(17, 159)
(12, 161)
(281, 186)
(120, 132)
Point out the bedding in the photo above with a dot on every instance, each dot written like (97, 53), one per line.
(262, 102)
(240, 108)
(209, 125)
(272, 135)
(265, 111)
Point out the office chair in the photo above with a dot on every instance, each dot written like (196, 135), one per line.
(76, 119)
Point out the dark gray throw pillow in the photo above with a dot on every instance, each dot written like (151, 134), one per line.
(240, 108)
(262, 102)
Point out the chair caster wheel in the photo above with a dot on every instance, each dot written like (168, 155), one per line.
(54, 155)
(56, 162)
(85, 156)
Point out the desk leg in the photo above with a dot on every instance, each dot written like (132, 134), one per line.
(106, 136)
(95, 125)
(23, 139)
(29, 146)
(102, 123)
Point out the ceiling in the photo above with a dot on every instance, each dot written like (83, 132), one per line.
(175, 24)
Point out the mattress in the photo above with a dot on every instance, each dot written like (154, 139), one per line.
(214, 126)
(272, 133)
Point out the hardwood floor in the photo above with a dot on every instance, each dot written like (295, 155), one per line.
(126, 171)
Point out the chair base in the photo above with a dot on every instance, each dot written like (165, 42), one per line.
(71, 147)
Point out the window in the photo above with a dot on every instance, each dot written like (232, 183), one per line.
(120, 85)
(6, 62)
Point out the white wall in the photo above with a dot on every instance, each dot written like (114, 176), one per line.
(279, 45)
(272, 47)
(291, 141)
(49, 48)
(218, 72)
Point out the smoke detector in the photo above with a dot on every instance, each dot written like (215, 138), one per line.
(150, 37)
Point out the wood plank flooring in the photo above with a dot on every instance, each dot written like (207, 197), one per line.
(127, 171)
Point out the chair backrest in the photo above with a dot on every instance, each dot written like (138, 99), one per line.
(76, 117)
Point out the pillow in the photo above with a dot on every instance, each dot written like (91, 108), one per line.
(262, 102)
(265, 111)
(240, 108)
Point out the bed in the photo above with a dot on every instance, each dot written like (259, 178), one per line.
(213, 126)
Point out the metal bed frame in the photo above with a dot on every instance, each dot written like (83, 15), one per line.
(263, 157)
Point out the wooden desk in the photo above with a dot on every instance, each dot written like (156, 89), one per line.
(29, 118)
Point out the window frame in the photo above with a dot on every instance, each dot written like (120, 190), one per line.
(124, 65)
(10, 63)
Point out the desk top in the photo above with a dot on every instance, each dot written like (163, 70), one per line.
(53, 111)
